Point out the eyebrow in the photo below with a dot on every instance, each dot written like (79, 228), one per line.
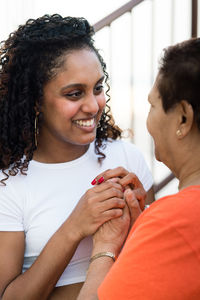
(78, 85)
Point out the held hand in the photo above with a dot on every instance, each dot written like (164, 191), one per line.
(127, 180)
(112, 234)
(118, 172)
(98, 205)
(132, 181)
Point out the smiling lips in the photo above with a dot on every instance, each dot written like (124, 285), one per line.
(85, 123)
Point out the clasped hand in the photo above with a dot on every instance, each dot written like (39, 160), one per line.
(112, 234)
(109, 208)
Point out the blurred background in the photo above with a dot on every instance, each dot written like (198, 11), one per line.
(130, 36)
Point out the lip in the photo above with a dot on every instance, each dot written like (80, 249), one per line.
(86, 118)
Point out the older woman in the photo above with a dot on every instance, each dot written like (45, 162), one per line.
(161, 257)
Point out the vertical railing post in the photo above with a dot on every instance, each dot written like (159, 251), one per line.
(131, 76)
(194, 18)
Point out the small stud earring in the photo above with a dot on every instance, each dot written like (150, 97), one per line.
(178, 132)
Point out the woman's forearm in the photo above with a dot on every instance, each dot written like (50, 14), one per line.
(96, 274)
(98, 269)
(40, 279)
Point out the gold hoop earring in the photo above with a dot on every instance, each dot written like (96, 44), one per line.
(36, 130)
(178, 132)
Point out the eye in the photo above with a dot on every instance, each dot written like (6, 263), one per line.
(98, 89)
(74, 94)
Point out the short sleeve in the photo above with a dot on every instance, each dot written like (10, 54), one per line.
(137, 164)
(11, 209)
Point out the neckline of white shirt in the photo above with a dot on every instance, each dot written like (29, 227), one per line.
(64, 164)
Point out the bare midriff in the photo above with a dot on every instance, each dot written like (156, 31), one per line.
(67, 292)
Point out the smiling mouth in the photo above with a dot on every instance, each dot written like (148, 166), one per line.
(85, 123)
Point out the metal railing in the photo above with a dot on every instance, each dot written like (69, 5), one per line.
(106, 21)
(194, 18)
(116, 14)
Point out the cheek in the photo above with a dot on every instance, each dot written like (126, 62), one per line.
(101, 102)
(70, 109)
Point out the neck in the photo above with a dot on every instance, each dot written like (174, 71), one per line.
(186, 162)
(192, 178)
(59, 155)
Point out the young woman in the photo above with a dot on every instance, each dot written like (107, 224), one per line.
(56, 135)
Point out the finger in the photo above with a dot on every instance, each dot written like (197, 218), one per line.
(111, 173)
(112, 203)
(112, 214)
(131, 178)
(115, 179)
(109, 193)
(133, 204)
(101, 175)
(140, 194)
(126, 212)
(106, 186)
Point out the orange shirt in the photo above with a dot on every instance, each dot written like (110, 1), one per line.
(161, 258)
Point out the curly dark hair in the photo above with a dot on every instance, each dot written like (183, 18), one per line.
(179, 76)
(29, 58)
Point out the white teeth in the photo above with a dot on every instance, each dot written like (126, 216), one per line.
(86, 123)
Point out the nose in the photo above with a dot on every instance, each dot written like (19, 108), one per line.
(90, 104)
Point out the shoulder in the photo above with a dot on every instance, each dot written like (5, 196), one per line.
(13, 188)
(175, 212)
(121, 144)
(126, 154)
(126, 147)
(178, 203)
(11, 204)
(123, 152)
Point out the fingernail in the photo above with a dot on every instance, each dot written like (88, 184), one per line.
(94, 182)
(101, 179)
(123, 190)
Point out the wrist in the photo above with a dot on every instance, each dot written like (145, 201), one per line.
(69, 232)
(108, 254)
(98, 248)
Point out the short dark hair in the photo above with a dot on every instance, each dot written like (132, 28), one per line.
(29, 58)
(179, 76)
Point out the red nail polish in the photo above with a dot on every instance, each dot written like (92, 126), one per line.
(123, 190)
(94, 182)
(101, 179)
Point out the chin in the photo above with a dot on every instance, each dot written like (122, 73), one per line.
(88, 140)
(157, 156)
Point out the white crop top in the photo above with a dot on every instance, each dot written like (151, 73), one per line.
(41, 201)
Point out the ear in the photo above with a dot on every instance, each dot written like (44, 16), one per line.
(186, 118)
